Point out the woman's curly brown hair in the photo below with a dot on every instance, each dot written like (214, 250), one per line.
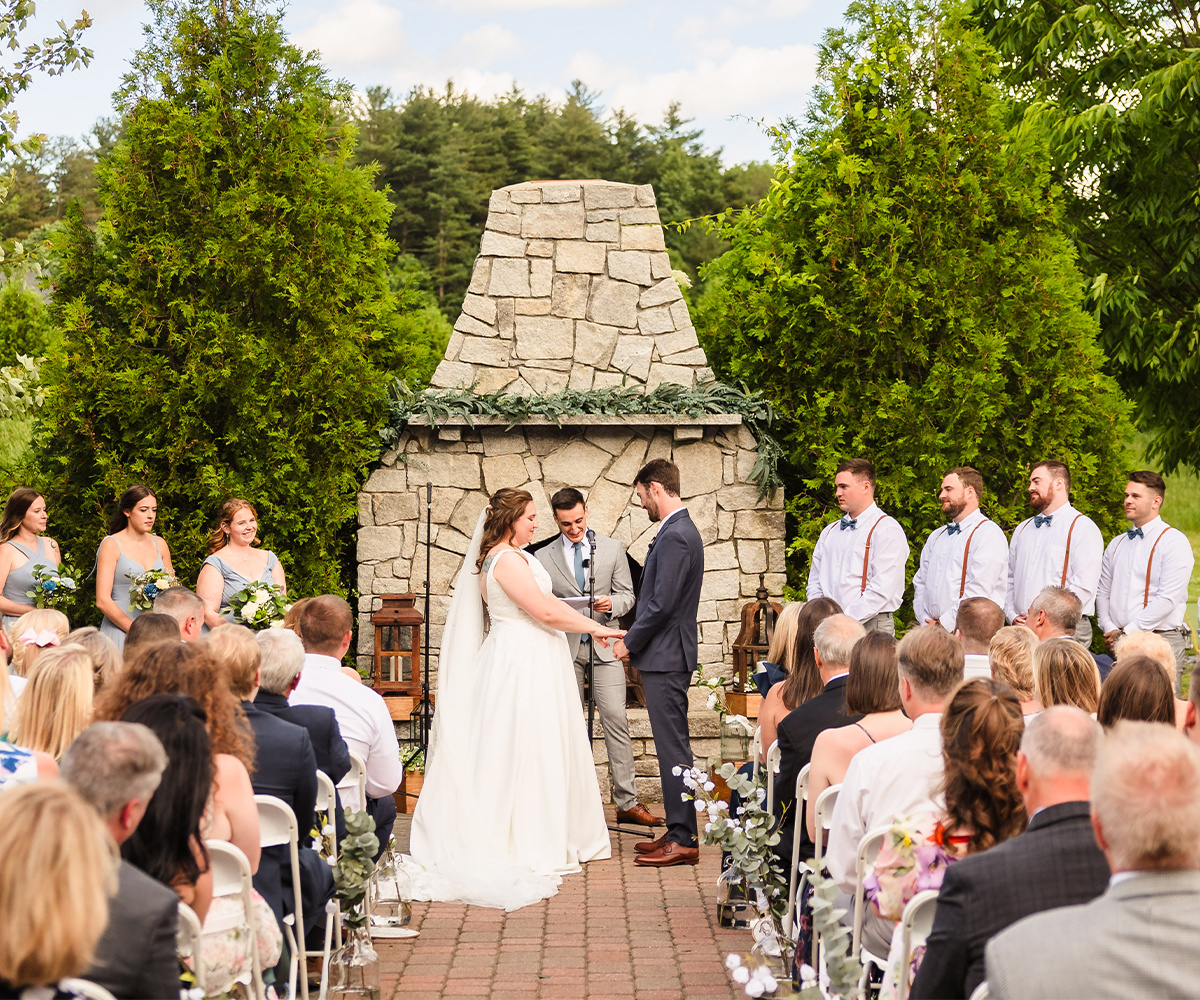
(187, 668)
(981, 732)
(506, 507)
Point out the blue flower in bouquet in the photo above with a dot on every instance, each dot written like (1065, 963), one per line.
(50, 586)
(151, 591)
(144, 587)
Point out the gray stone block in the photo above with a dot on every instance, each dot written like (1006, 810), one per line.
(639, 217)
(603, 232)
(378, 543)
(628, 265)
(470, 325)
(679, 313)
(722, 584)
(663, 293)
(460, 471)
(490, 352)
(660, 265)
(488, 380)
(645, 195)
(695, 358)
(560, 193)
(542, 381)
(366, 515)
(642, 238)
(581, 378)
(609, 196)
(510, 277)
(752, 556)
(626, 467)
(720, 556)
(554, 222)
(632, 356)
(700, 468)
(498, 201)
(532, 307)
(576, 464)
(672, 374)
(569, 295)
(387, 481)
(452, 375)
(738, 497)
(594, 344)
(524, 195)
(758, 524)
(505, 310)
(498, 441)
(544, 337)
(579, 256)
(613, 303)
(392, 508)
(674, 343)
(540, 248)
(481, 308)
(540, 273)
(504, 223)
(655, 321)
(501, 245)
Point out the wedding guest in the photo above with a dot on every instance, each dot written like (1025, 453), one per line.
(148, 629)
(24, 549)
(233, 562)
(966, 558)
(1058, 547)
(58, 873)
(32, 633)
(326, 626)
(1010, 655)
(1191, 726)
(1145, 573)
(1136, 690)
(1136, 939)
(291, 620)
(57, 703)
(1064, 673)
(898, 776)
(185, 607)
(170, 667)
(803, 681)
(106, 658)
(1155, 648)
(779, 664)
(1056, 613)
(872, 692)
(833, 644)
(859, 559)
(116, 767)
(976, 621)
(130, 549)
(1055, 862)
(18, 765)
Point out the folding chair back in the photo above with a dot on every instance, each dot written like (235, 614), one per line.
(916, 923)
(85, 988)
(231, 877)
(796, 880)
(353, 787)
(187, 942)
(981, 992)
(774, 755)
(277, 828)
(755, 751)
(825, 803)
(327, 804)
(868, 851)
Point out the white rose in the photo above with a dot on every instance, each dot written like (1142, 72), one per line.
(249, 610)
(277, 623)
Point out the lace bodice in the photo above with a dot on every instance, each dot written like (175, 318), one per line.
(501, 607)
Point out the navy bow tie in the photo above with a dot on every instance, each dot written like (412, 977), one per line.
(953, 528)
(1040, 519)
(848, 522)
(1134, 532)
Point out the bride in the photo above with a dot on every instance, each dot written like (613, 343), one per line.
(510, 801)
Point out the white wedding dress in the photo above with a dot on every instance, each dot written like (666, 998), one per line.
(510, 801)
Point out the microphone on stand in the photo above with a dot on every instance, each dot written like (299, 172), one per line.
(591, 671)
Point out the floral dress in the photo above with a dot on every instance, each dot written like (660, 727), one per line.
(18, 766)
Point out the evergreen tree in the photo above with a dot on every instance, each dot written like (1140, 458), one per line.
(905, 291)
(229, 329)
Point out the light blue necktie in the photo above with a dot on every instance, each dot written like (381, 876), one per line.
(579, 579)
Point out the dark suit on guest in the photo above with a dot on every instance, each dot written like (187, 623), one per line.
(1054, 863)
(797, 733)
(286, 766)
(135, 959)
(663, 645)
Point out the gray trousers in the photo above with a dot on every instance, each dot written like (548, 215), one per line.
(1175, 638)
(1083, 632)
(885, 621)
(609, 687)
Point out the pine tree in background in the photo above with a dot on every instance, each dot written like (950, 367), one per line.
(905, 291)
(229, 327)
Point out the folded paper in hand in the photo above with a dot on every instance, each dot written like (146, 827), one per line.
(578, 603)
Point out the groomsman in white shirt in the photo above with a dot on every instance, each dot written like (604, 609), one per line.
(966, 558)
(1057, 547)
(1146, 569)
(859, 559)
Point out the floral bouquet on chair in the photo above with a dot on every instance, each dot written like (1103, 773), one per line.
(54, 587)
(144, 587)
(259, 606)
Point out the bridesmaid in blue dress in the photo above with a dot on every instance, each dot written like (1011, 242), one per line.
(130, 549)
(233, 562)
(24, 546)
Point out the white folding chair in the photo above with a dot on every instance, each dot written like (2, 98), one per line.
(187, 942)
(796, 880)
(231, 877)
(825, 803)
(774, 755)
(755, 751)
(353, 787)
(916, 923)
(980, 992)
(868, 851)
(277, 828)
(85, 988)
(327, 804)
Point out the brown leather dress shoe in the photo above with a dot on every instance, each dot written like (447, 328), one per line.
(639, 815)
(646, 846)
(668, 855)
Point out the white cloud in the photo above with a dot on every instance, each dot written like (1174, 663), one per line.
(509, 6)
(354, 34)
(483, 46)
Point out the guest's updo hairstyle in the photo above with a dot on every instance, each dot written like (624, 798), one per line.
(981, 733)
(504, 510)
(19, 502)
(128, 500)
(225, 514)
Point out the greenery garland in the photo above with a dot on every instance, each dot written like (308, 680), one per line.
(706, 398)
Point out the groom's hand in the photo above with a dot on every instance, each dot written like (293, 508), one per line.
(619, 650)
(603, 604)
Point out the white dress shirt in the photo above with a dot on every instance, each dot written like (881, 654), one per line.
(837, 564)
(892, 778)
(1036, 556)
(976, 665)
(939, 577)
(362, 716)
(1121, 600)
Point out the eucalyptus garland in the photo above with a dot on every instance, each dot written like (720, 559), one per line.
(705, 399)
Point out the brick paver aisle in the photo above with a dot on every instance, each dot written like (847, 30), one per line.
(614, 932)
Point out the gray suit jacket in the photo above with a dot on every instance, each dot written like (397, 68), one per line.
(612, 580)
(1137, 940)
(135, 959)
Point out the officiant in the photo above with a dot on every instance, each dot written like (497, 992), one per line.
(566, 559)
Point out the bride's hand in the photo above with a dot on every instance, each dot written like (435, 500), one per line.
(605, 635)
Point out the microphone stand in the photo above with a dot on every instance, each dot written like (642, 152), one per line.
(425, 708)
(591, 567)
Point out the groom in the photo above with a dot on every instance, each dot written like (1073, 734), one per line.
(662, 644)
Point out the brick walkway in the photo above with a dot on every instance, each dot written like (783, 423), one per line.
(614, 932)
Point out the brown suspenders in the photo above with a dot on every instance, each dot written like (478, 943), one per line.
(1149, 563)
(867, 554)
(1067, 557)
(962, 584)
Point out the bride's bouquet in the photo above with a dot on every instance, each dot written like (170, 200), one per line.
(259, 606)
(144, 587)
(56, 587)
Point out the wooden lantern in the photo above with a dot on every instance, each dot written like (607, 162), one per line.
(750, 646)
(396, 667)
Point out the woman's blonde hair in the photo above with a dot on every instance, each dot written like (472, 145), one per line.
(1064, 673)
(37, 620)
(234, 647)
(783, 641)
(56, 705)
(1149, 645)
(1010, 655)
(106, 658)
(60, 867)
(8, 700)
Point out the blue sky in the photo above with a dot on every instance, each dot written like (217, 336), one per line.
(730, 63)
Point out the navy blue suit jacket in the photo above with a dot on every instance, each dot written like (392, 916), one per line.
(663, 637)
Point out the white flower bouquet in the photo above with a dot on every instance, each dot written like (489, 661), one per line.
(54, 587)
(144, 587)
(259, 606)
